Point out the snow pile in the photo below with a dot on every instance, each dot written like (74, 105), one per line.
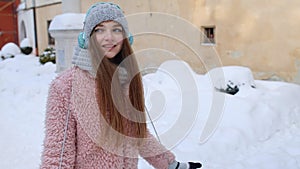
(25, 43)
(230, 79)
(67, 21)
(23, 92)
(10, 50)
(231, 75)
(258, 128)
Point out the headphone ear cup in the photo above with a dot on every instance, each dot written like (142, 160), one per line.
(81, 40)
(130, 38)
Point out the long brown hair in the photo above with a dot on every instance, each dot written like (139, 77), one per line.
(124, 114)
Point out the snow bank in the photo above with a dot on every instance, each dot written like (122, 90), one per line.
(26, 42)
(10, 50)
(23, 92)
(258, 129)
(255, 118)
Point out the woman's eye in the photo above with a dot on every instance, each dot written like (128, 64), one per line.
(99, 30)
(117, 30)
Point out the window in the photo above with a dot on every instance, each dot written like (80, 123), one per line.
(208, 36)
(23, 34)
(51, 40)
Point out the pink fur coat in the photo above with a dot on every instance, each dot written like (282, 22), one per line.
(71, 107)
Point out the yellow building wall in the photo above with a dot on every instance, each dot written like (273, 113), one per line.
(44, 14)
(263, 35)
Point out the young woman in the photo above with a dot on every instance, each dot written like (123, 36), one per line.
(95, 110)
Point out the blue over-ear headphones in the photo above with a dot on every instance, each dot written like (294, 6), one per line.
(130, 39)
(81, 40)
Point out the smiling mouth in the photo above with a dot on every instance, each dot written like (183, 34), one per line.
(109, 47)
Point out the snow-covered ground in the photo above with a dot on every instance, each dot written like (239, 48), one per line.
(258, 128)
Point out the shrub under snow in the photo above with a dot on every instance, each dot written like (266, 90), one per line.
(230, 79)
(26, 46)
(9, 50)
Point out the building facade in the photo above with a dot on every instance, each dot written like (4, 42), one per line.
(261, 35)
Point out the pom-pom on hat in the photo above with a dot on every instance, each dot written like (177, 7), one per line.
(100, 12)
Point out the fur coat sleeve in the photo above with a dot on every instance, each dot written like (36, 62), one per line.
(155, 153)
(56, 123)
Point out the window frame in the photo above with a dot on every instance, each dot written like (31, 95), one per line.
(208, 35)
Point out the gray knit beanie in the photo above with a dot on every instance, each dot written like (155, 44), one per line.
(103, 11)
(97, 13)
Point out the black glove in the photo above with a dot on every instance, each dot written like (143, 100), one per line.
(189, 165)
(194, 165)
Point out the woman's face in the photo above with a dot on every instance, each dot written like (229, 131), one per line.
(109, 36)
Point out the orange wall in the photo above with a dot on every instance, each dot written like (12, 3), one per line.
(8, 22)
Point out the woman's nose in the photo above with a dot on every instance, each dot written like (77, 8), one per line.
(108, 36)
